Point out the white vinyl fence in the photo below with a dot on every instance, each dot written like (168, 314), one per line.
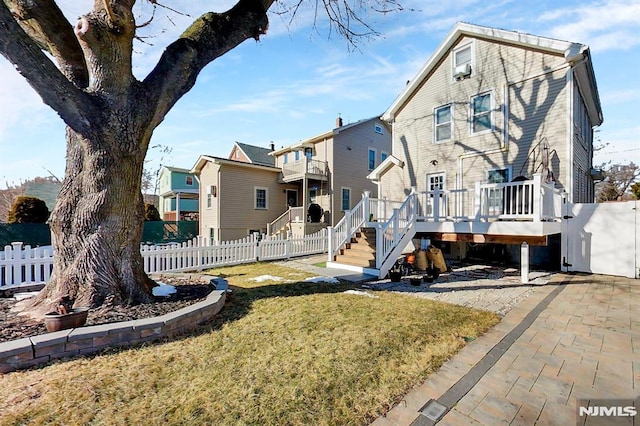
(24, 266)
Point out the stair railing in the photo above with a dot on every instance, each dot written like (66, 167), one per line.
(347, 227)
(394, 234)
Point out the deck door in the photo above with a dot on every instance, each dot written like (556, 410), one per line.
(436, 181)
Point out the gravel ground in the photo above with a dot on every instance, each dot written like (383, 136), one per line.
(189, 291)
(494, 288)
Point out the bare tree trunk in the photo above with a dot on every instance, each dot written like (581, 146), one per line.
(97, 224)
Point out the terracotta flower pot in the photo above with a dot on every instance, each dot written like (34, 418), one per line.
(54, 321)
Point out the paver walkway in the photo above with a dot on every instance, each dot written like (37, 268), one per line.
(576, 338)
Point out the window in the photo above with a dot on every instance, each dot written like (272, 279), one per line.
(372, 158)
(189, 181)
(443, 123)
(383, 156)
(297, 155)
(261, 198)
(286, 158)
(308, 152)
(462, 62)
(167, 204)
(346, 198)
(212, 191)
(498, 175)
(378, 129)
(313, 195)
(481, 113)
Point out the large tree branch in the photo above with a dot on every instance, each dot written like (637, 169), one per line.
(44, 22)
(71, 103)
(209, 37)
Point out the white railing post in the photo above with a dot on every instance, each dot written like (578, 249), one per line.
(330, 238)
(256, 247)
(436, 204)
(367, 210)
(477, 205)
(537, 197)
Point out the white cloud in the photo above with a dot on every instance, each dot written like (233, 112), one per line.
(604, 26)
(613, 97)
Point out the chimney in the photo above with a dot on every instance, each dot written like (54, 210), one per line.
(339, 121)
(272, 146)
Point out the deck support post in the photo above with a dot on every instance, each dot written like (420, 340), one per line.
(524, 262)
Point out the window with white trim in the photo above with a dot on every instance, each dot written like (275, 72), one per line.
(308, 152)
(482, 113)
(346, 198)
(188, 180)
(383, 156)
(285, 159)
(297, 155)
(261, 195)
(372, 159)
(443, 123)
(462, 61)
(378, 129)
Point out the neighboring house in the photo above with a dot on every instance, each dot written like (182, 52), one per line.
(237, 198)
(331, 169)
(489, 107)
(178, 194)
(46, 189)
(261, 190)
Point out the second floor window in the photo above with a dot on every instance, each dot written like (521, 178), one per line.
(297, 155)
(189, 180)
(481, 113)
(286, 158)
(443, 123)
(308, 152)
(372, 159)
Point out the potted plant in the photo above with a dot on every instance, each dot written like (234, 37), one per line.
(65, 316)
(395, 274)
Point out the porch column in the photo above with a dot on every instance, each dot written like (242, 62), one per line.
(367, 210)
(524, 262)
(537, 197)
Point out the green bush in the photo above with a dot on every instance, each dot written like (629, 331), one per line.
(151, 213)
(28, 210)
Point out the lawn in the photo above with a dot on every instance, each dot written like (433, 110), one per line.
(280, 352)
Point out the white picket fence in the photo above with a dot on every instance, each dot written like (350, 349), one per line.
(27, 266)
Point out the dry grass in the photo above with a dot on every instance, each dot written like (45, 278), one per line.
(279, 353)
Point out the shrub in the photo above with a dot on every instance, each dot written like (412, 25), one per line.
(28, 210)
(151, 213)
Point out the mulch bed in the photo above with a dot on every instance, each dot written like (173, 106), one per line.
(14, 327)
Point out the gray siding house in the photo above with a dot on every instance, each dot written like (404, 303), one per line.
(487, 140)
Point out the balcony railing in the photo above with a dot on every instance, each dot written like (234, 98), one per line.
(306, 166)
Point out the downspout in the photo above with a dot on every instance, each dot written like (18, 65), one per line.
(569, 100)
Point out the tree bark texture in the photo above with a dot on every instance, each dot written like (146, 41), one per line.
(97, 223)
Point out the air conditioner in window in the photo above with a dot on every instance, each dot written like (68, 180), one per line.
(462, 71)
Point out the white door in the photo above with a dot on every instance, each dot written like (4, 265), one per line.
(601, 238)
(436, 181)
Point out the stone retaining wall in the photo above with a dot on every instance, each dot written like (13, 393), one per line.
(30, 351)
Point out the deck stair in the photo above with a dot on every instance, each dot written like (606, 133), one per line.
(361, 250)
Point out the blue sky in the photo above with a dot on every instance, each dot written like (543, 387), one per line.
(294, 82)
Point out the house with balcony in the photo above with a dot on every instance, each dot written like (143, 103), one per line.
(298, 189)
(330, 171)
(489, 140)
(178, 194)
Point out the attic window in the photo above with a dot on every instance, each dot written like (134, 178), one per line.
(462, 62)
(378, 129)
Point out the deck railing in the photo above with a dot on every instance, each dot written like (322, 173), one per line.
(390, 234)
(304, 166)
